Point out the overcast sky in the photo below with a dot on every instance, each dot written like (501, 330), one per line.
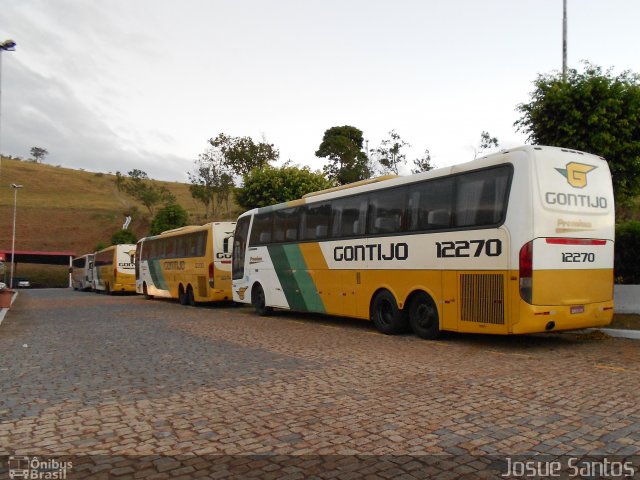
(121, 84)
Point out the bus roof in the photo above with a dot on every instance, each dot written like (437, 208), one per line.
(393, 180)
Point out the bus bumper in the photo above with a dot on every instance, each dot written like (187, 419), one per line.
(554, 318)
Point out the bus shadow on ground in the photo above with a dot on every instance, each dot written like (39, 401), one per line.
(526, 341)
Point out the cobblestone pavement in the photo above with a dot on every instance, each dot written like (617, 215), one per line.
(152, 389)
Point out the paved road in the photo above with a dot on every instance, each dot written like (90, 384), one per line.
(152, 389)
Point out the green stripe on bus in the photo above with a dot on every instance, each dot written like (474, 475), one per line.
(155, 269)
(298, 286)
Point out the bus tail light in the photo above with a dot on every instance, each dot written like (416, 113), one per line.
(211, 274)
(115, 274)
(526, 272)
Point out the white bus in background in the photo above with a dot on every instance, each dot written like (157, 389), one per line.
(82, 272)
(519, 241)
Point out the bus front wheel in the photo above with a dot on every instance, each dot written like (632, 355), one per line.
(423, 316)
(259, 301)
(145, 292)
(386, 315)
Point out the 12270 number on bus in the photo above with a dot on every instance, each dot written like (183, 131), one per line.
(575, 257)
(469, 248)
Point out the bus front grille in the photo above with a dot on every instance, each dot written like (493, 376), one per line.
(482, 298)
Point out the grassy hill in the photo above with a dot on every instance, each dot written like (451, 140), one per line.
(61, 209)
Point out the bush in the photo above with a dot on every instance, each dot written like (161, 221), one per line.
(123, 237)
(170, 217)
(269, 186)
(627, 260)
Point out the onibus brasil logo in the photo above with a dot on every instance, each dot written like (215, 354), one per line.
(576, 173)
(38, 468)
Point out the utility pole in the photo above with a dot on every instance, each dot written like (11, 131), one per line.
(564, 40)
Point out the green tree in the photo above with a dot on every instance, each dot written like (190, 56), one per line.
(146, 191)
(592, 111)
(268, 186)
(211, 182)
(240, 155)
(38, 154)
(390, 153)
(342, 147)
(487, 142)
(423, 163)
(123, 236)
(169, 217)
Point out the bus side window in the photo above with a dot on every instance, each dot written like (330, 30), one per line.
(261, 229)
(349, 216)
(315, 221)
(181, 248)
(481, 197)
(285, 225)
(430, 205)
(201, 250)
(387, 211)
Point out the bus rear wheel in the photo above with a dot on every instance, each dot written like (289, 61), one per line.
(386, 315)
(423, 316)
(182, 296)
(190, 297)
(259, 301)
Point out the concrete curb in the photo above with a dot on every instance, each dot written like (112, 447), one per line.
(626, 298)
(3, 311)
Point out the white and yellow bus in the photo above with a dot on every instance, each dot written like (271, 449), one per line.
(520, 241)
(114, 269)
(82, 272)
(192, 264)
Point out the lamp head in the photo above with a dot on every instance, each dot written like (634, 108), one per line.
(8, 45)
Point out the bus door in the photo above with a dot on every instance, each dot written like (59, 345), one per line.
(449, 312)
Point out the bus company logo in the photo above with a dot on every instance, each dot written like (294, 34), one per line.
(253, 260)
(371, 252)
(175, 265)
(576, 173)
(37, 468)
(241, 292)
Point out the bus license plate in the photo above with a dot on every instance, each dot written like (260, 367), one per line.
(578, 309)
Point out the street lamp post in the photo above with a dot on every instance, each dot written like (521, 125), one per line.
(6, 46)
(13, 241)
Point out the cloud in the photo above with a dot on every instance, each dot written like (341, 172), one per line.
(45, 112)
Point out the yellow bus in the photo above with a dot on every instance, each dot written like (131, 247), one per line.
(520, 241)
(191, 264)
(114, 270)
